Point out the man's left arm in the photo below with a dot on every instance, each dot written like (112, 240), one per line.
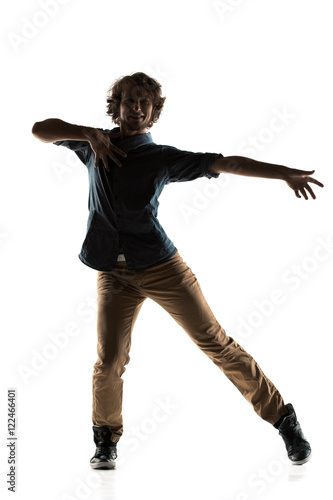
(298, 180)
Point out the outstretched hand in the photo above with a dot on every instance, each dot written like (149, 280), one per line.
(298, 180)
(102, 146)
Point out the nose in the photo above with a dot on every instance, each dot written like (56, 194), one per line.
(137, 106)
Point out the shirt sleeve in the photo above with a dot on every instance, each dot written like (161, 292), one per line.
(81, 148)
(184, 166)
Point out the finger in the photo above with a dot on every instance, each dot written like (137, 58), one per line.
(105, 161)
(306, 172)
(297, 172)
(297, 194)
(310, 191)
(304, 193)
(114, 158)
(316, 182)
(118, 151)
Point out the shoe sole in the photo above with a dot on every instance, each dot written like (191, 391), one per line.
(301, 462)
(103, 465)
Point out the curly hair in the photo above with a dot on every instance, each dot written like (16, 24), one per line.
(136, 82)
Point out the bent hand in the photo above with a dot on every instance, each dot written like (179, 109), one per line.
(102, 146)
(298, 180)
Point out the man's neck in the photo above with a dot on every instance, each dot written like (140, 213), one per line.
(125, 133)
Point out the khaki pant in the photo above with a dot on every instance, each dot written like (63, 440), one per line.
(173, 286)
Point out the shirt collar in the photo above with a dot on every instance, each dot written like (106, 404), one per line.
(134, 141)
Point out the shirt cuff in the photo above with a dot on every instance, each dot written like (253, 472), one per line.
(208, 160)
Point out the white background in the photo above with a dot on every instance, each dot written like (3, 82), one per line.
(227, 69)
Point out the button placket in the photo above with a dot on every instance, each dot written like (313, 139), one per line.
(117, 206)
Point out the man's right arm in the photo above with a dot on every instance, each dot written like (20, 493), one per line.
(53, 129)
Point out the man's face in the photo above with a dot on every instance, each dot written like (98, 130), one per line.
(136, 107)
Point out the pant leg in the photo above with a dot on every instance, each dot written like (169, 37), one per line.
(175, 288)
(118, 304)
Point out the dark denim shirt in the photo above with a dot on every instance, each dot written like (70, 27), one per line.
(123, 203)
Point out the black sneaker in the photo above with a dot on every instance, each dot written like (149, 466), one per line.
(106, 450)
(298, 448)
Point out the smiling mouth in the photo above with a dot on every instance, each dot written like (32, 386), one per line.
(136, 117)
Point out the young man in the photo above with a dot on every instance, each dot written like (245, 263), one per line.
(135, 259)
